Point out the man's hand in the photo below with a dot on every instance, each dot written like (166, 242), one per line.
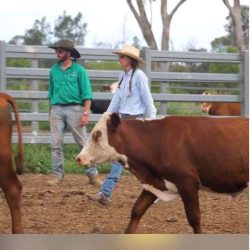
(84, 119)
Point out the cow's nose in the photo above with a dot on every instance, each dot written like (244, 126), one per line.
(78, 160)
(82, 160)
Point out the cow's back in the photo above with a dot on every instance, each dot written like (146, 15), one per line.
(216, 148)
(225, 109)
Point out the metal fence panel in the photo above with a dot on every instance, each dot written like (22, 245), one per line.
(37, 73)
(150, 56)
(2, 66)
(173, 56)
(245, 84)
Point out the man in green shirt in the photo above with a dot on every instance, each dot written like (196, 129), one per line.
(70, 97)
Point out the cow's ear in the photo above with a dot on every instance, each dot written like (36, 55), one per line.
(97, 134)
(114, 121)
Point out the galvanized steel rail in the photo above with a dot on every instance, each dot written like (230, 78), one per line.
(35, 53)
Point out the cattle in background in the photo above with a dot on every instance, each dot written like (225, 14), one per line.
(9, 182)
(226, 109)
(173, 156)
(101, 106)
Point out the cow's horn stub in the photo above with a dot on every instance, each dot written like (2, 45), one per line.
(96, 135)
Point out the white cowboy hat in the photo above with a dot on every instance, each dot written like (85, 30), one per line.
(130, 51)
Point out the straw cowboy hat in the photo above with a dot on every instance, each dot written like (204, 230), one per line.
(67, 45)
(130, 51)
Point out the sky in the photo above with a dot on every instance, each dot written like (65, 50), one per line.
(195, 24)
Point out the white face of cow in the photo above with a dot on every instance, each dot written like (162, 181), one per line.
(205, 106)
(97, 149)
(113, 87)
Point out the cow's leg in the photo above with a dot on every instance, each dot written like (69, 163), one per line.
(188, 191)
(144, 201)
(12, 189)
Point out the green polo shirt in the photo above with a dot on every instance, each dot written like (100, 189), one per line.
(69, 86)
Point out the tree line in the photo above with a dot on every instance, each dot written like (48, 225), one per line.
(75, 29)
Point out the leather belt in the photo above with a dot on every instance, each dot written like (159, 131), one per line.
(68, 104)
(128, 116)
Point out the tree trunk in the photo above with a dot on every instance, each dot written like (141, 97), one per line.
(165, 25)
(235, 13)
(145, 26)
(144, 23)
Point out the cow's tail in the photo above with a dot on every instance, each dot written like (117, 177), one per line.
(19, 159)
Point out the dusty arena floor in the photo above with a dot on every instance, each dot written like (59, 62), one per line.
(66, 209)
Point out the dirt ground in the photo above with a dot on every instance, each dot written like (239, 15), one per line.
(66, 209)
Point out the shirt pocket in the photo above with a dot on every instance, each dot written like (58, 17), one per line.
(72, 78)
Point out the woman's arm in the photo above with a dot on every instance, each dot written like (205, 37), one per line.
(146, 96)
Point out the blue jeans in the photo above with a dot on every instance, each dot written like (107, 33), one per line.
(62, 117)
(112, 179)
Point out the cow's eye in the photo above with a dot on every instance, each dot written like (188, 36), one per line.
(96, 135)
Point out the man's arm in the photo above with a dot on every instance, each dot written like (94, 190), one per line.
(85, 116)
(86, 96)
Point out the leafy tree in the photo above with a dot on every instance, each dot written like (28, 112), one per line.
(73, 28)
(18, 39)
(145, 22)
(231, 30)
(37, 35)
(237, 35)
(221, 43)
(136, 42)
(66, 27)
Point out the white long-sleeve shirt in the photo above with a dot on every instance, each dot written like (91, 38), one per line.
(137, 101)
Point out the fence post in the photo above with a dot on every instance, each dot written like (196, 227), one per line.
(164, 88)
(244, 71)
(145, 54)
(35, 103)
(164, 105)
(2, 66)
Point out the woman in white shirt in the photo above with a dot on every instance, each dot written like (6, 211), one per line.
(131, 100)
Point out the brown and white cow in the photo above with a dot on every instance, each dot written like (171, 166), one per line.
(9, 182)
(173, 156)
(223, 109)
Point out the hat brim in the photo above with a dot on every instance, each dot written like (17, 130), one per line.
(123, 53)
(74, 52)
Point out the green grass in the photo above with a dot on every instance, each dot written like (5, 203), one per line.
(37, 159)
(181, 108)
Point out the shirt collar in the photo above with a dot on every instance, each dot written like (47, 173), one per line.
(129, 73)
(59, 65)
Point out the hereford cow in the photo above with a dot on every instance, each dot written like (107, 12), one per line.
(9, 182)
(226, 109)
(173, 156)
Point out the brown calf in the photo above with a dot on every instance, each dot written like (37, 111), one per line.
(223, 109)
(173, 156)
(9, 182)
